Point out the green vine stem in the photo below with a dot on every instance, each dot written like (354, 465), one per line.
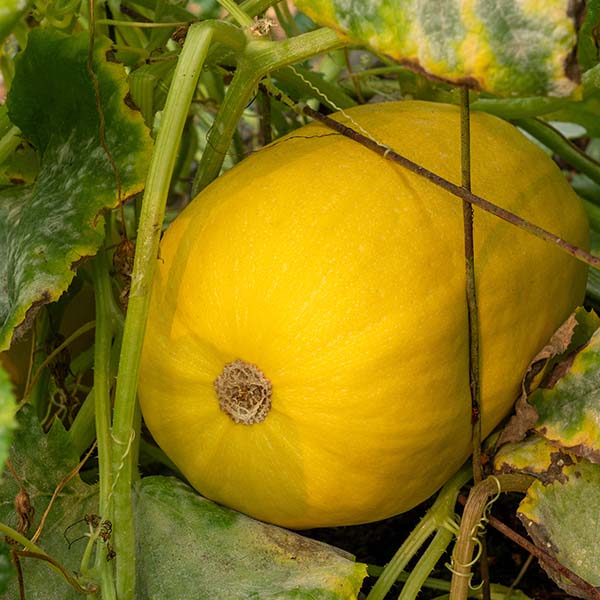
(499, 592)
(255, 7)
(520, 108)
(474, 517)
(34, 551)
(179, 98)
(560, 145)
(431, 556)
(103, 408)
(439, 516)
(260, 58)
(237, 13)
(82, 431)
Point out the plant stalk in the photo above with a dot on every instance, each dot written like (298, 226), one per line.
(103, 409)
(559, 144)
(426, 564)
(163, 159)
(474, 515)
(473, 317)
(437, 517)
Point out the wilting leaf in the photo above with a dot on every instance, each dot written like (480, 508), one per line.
(194, 548)
(546, 366)
(508, 48)
(48, 227)
(534, 456)
(562, 518)
(569, 413)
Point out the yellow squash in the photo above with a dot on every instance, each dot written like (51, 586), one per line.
(306, 356)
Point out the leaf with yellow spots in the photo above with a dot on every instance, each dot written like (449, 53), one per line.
(569, 413)
(534, 456)
(48, 227)
(513, 47)
(562, 519)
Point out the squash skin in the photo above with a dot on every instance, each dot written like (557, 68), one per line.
(341, 276)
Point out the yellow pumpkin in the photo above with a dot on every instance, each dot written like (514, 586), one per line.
(306, 354)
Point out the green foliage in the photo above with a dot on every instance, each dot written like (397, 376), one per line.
(7, 570)
(588, 48)
(7, 414)
(41, 461)
(10, 13)
(48, 227)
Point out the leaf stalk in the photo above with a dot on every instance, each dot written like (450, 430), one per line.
(179, 98)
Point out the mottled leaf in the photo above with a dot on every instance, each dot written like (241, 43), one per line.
(569, 413)
(510, 48)
(48, 227)
(546, 367)
(41, 461)
(534, 456)
(562, 518)
(197, 549)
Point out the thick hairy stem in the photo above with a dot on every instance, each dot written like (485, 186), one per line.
(470, 527)
(153, 208)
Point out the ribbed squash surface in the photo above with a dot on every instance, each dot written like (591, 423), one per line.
(339, 277)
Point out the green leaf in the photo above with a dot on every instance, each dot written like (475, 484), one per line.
(562, 518)
(42, 461)
(7, 569)
(590, 190)
(520, 49)
(149, 85)
(569, 413)
(589, 36)
(7, 415)
(10, 13)
(194, 548)
(46, 229)
(584, 112)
